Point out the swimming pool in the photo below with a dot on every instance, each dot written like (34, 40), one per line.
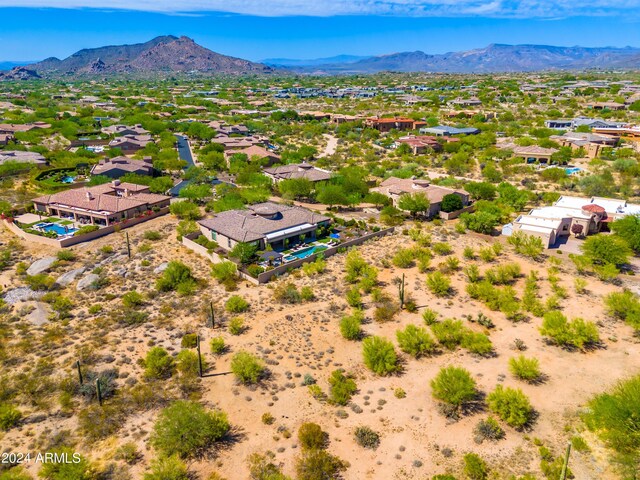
(305, 253)
(54, 227)
(67, 179)
(572, 170)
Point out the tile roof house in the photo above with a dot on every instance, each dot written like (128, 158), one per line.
(21, 157)
(397, 123)
(255, 151)
(394, 188)
(420, 144)
(101, 205)
(262, 224)
(298, 170)
(130, 143)
(118, 166)
(592, 143)
(120, 130)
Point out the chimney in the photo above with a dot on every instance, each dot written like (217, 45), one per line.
(115, 183)
(89, 196)
(126, 192)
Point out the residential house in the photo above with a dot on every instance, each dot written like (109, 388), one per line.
(21, 157)
(118, 166)
(121, 130)
(299, 170)
(534, 153)
(592, 143)
(384, 125)
(263, 224)
(606, 106)
(419, 144)
(395, 188)
(5, 138)
(447, 131)
(255, 152)
(466, 102)
(101, 205)
(130, 144)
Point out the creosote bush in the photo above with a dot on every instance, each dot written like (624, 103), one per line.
(247, 367)
(527, 369)
(379, 355)
(236, 304)
(454, 386)
(311, 436)
(415, 341)
(367, 437)
(511, 405)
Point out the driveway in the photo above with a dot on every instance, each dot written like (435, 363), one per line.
(184, 150)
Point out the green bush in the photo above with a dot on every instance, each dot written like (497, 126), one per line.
(311, 436)
(449, 333)
(236, 326)
(316, 465)
(367, 438)
(379, 355)
(236, 304)
(187, 363)
(350, 326)
(415, 341)
(527, 369)
(80, 470)
(287, 293)
(247, 367)
(167, 468)
(189, 340)
(185, 210)
(158, 363)
(454, 386)
(152, 235)
(511, 405)
(475, 468)
(176, 277)
(488, 429)
(187, 430)
(9, 416)
(341, 388)
(66, 255)
(615, 417)
(477, 343)
(439, 284)
(576, 333)
(132, 299)
(218, 346)
(624, 305)
(354, 299)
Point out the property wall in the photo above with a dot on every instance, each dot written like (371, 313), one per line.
(456, 214)
(264, 277)
(67, 242)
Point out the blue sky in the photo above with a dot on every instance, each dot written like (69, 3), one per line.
(258, 29)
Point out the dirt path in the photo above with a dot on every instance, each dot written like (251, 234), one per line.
(332, 144)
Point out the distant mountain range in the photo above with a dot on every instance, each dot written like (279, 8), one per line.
(162, 54)
(169, 54)
(293, 62)
(492, 59)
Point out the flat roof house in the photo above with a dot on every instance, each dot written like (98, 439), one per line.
(446, 131)
(297, 170)
(394, 188)
(118, 166)
(262, 224)
(591, 142)
(101, 205)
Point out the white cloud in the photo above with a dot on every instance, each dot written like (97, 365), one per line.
(322, 8)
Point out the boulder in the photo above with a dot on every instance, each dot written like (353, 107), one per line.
(161, 268)
(40, 266)
(87, 281)
(68, 277)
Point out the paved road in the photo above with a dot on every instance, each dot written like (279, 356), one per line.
(184, 151)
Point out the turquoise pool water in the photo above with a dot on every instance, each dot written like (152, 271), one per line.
(54, 227)
(307, 251)
(572, 170)
(67, 179)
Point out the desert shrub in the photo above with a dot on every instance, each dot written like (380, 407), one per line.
(449, 332)
(439, 284)
(187, 363)
(403, 258)
(158, 363)
(473, 273)
(287, 293)
(247, 367)
(350, 325)
(442, 248)
(40, 282)
(97, 422)
(487, 254)
(132, 299)
(429, 316)
(307, 293)
(167, 468)
(9, 416)
(236, 304)
(318, 266)
(354, 299)
(488, 429)
(66, 255)
(415, 341)
(576, 333)
(236, 326)
(176, 277)
(128, 452)
(385, 311)
(511, 405)
(318, 465)
(367, 437)
(615, 417)
(186, 429)
(261, 467)
(341, 388)
(311, 436)
(474, 467)
(185, 210)
(527, 245)
(503, 274)
(152, 235)
(477, 343)
(358, 268)
(80, 470)
(527, 369)
(624, 305)
(454, 386)
(226, 273)
(218, 346)
(268, 419)
(379, 355)
(189, 340)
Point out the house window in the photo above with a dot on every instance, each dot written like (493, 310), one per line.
(214, 235)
